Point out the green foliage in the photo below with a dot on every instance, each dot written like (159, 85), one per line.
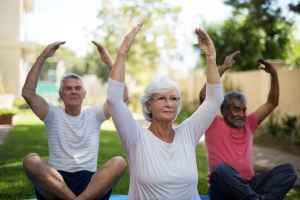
(20, 103)
(117, 18)
(287, 127)
(258, 29)
(294, 56)
(295, 7)
(8, 111)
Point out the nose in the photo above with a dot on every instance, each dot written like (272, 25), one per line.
(73, 90)
(240, 113)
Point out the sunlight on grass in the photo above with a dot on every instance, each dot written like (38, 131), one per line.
(15, 164)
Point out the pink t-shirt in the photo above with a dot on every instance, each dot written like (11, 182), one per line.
(231, 146)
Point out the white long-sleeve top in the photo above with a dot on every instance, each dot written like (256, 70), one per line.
(160, 170)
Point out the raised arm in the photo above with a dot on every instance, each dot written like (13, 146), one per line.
(104, 55)
(38, 105)
(273, 98)
(201, 119)
(106, 58)
(207, 45)
(118, 70)
(227, 64)
(127, 127)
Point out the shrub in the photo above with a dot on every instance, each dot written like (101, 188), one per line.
(287, 127)
(20, 103)
(8, 111)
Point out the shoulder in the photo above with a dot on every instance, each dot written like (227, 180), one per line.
(216, 124)
(53, 112)
(252, 121)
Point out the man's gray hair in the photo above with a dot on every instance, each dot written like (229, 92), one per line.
(231, 95)
(68, 76)
(159, 85)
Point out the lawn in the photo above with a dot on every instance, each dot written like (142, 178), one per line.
(28, 135)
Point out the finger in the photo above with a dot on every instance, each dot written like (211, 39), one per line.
(57, 44)
(235, 53)
(263, 68)
(95, 43)
(261, 61)
(137, 28)
(99, 46)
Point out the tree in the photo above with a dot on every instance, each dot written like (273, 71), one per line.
(295, 7)
(116, 18)
(258, 28)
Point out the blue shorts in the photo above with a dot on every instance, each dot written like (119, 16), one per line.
(77, 182)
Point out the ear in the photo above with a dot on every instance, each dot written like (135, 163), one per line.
(84, 93)
(60, 94)
(148, 106)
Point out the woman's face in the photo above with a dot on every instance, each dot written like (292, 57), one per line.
(163, 106)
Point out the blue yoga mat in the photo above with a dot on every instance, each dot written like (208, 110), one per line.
(125, 197)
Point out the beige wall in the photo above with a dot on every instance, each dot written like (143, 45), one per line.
(11, 45)
(255, 85)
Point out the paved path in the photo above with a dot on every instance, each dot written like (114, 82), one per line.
(266, 158)
(4, 130)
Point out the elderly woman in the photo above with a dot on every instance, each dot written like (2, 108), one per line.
(162, 159)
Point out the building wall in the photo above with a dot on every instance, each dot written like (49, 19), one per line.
(254, 85)
(11, 43)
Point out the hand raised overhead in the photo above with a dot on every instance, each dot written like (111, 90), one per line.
(268, 67)
(129, 38)
(51, 49)
(229, 60)
(206, 43)
(104, 54)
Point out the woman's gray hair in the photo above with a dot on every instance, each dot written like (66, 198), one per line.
(159, 85)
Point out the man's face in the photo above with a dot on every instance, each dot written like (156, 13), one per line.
(235, 114)
(72, 92)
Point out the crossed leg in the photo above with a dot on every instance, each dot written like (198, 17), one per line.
(104, 179)
(52, 185)
(45, 178)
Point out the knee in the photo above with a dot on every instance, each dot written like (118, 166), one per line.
(119, 163)
(289, 171)
(222, 169)
(30, 161)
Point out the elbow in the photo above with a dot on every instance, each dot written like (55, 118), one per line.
(276, 103)
(27, 94)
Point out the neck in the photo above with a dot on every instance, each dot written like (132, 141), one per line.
(163, 130)
(74, 111)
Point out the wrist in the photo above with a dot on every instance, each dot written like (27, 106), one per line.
(42, 57)
(210, 57)
(221, 70)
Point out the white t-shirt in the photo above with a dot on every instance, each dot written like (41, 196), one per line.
(160, 170)
(73, 141)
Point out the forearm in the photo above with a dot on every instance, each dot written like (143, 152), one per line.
(213, 75)
(33, 76)
(122, 117)
(118, 70)
(273, 97)
(203, 89)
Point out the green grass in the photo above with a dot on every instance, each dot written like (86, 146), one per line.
(28, 135)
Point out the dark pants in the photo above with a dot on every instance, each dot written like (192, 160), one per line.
(77, 182)
(227, 184)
